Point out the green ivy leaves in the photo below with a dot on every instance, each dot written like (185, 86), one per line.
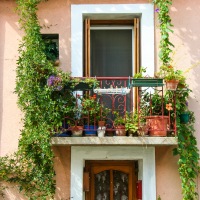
(165, 28)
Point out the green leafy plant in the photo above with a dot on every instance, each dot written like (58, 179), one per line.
(93, 108)
(85, 83)
(165, 26)
(119, 119)
(131, 124)
(169, 73)
(189, 158)
(140, 74)
(31, 167)
(51, 50)
(153, 103)
(187, 144)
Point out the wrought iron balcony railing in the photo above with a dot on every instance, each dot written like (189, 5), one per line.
(128, 106)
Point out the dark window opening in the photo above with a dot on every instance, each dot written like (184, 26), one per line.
(51, 47)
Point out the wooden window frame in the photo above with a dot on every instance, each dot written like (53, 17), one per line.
(136, 51)
(87, 24)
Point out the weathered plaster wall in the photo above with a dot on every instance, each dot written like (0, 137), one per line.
(55, 18)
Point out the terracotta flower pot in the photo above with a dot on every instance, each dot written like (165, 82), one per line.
(101, 123)
(77, 131)
(120, 130)
(171, 84)
(157, 125)
(110, 133)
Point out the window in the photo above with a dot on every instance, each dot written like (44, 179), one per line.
(111, 47)
(51, 47)
(112, 12)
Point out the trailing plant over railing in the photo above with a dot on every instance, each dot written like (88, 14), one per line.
(187, 143)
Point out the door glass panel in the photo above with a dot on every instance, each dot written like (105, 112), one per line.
(102, 185)
(120, 180)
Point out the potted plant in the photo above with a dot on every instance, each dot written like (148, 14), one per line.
(152, 110)
(102, 118)
(119, 124)
(185, 113)
(76, 125)
(131, 124)
(142, 80)
(90, 110)
(182, 104)
(78, 83)
(172, 77)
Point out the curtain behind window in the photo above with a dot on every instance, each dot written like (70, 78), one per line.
(111, 52)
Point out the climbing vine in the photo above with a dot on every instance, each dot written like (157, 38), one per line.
(187, 143)
(31, 167)
(165, 26)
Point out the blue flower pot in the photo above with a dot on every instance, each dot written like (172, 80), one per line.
(90, 130)
(64, 134)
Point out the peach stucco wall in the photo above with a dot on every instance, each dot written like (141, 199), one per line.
(9, 113)
(55, 18)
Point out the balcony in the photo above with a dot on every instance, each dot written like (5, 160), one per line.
(138, 106)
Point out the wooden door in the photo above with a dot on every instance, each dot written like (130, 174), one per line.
(111, 180)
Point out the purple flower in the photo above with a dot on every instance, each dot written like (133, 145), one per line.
(54, 81)
(186, 103)
(157, 10)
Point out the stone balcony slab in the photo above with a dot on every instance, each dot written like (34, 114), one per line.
(111, 141)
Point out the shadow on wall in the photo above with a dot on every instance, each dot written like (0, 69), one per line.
(62, 165)
(2, 45)
(185, 18)
(8, 56)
